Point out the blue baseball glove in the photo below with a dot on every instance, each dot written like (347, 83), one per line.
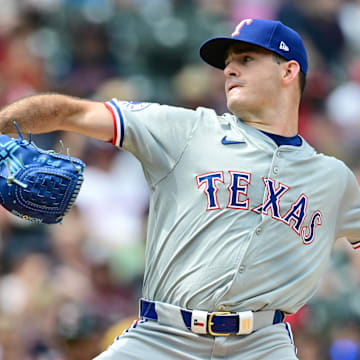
(35, 184)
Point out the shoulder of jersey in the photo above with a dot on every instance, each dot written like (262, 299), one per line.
(333, 163)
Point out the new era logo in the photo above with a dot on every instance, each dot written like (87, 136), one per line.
(284, 47)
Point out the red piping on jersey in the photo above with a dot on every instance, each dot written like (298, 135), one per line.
(113, 141)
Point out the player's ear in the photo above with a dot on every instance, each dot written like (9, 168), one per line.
(290, 71)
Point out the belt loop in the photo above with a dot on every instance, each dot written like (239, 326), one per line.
(199, 321)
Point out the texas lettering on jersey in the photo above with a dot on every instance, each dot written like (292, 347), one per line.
(239, 183)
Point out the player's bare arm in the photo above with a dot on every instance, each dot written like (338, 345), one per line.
(50, 112)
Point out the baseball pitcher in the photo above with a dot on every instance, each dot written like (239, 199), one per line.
(243, 211)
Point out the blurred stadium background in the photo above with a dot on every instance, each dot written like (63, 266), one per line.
(67, 290)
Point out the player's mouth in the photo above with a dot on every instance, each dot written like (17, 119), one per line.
(233, 85)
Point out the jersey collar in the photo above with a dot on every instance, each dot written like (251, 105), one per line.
(284, 140)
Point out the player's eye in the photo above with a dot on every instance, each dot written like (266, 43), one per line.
(247, 58)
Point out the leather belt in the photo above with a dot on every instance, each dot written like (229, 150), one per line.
(217, 323)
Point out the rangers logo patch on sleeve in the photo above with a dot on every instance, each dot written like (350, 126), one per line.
(135, 105)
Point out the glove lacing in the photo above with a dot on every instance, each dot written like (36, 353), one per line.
(11, 177)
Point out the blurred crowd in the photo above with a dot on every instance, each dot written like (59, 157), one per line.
(66, 290)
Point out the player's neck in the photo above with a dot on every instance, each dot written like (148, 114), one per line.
(284, 123)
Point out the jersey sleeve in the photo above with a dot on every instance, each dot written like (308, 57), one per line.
(349, 211)
(155, 134)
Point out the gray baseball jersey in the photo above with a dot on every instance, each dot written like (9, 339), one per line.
(236, 222)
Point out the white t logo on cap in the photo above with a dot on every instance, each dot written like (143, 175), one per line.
(284, 47)
(240, 25)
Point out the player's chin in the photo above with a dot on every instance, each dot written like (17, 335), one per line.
(234, 105)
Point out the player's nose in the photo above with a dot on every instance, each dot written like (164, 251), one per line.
(230, 70)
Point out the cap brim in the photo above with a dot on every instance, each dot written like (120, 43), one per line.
(214, 50)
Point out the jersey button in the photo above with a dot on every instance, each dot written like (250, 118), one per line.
(258, 231)
(221, 307)
(276, 170)
(241, 268)
(278, 154)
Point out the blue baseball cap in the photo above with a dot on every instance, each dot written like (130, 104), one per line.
(268, 34)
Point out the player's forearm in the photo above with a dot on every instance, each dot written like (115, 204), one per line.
(39, 113)
(49, 112)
